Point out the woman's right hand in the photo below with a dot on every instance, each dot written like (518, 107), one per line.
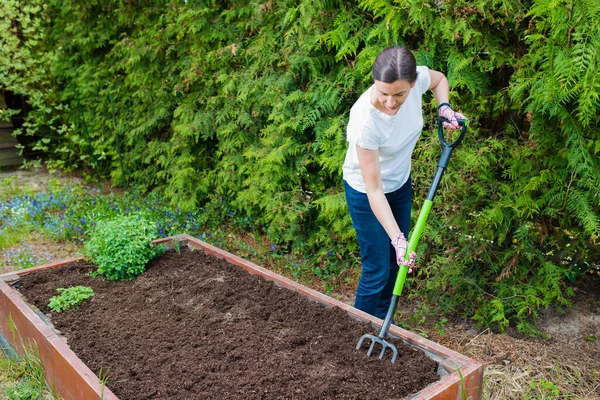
(445, 110)
(401, 245)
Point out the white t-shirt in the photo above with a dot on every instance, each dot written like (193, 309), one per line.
(394, 136)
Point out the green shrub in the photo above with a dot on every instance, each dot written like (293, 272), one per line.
(70, 298)
(121, 247)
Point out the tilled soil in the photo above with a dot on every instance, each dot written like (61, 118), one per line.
(194, 326)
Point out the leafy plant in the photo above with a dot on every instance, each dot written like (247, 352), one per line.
(121, 247)
(542, 389)
(439, 326)
(70, 298)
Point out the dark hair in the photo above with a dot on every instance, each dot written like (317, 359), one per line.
(395, 64)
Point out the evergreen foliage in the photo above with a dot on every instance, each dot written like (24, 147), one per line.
(242, 106)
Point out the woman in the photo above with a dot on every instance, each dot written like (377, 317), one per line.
(385, 124)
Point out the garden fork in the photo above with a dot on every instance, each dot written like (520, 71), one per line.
(412, 243)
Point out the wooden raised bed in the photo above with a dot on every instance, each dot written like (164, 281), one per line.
(72, 379)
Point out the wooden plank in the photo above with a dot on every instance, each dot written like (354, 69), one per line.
(9, 157)
(7, 139)
(11, 162)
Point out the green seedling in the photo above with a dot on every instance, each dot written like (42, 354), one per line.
(70, 298)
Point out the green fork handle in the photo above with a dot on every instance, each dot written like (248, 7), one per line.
(420, 225)
(412, 245)
(426, 208)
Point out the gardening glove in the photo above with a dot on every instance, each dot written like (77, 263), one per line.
(400, 244)
(445, 110)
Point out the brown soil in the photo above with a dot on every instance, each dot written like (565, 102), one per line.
(195, 326)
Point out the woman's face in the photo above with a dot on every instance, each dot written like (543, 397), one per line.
(389, 97)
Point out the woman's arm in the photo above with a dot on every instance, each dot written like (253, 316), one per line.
(369, 166)
(439, 86)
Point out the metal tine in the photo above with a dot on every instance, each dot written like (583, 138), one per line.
(362, 338)
(394, 351)
(371, 348)
(384, 345)
(360, 341)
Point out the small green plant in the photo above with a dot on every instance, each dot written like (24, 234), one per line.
(542, 389)
(463, 387)
(103, 381)
(439, 326)
(121, 247)
(70, 298)
(177, 246)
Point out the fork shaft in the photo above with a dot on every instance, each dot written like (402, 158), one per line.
(388, 318)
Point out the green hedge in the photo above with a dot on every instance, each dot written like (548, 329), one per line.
(241, 106)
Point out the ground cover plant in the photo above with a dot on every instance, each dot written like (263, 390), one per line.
(218, 332)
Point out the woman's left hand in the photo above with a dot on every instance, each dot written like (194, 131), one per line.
(410, 263)
(401, 245)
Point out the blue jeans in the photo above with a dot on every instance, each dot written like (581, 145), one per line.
(379, 267)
